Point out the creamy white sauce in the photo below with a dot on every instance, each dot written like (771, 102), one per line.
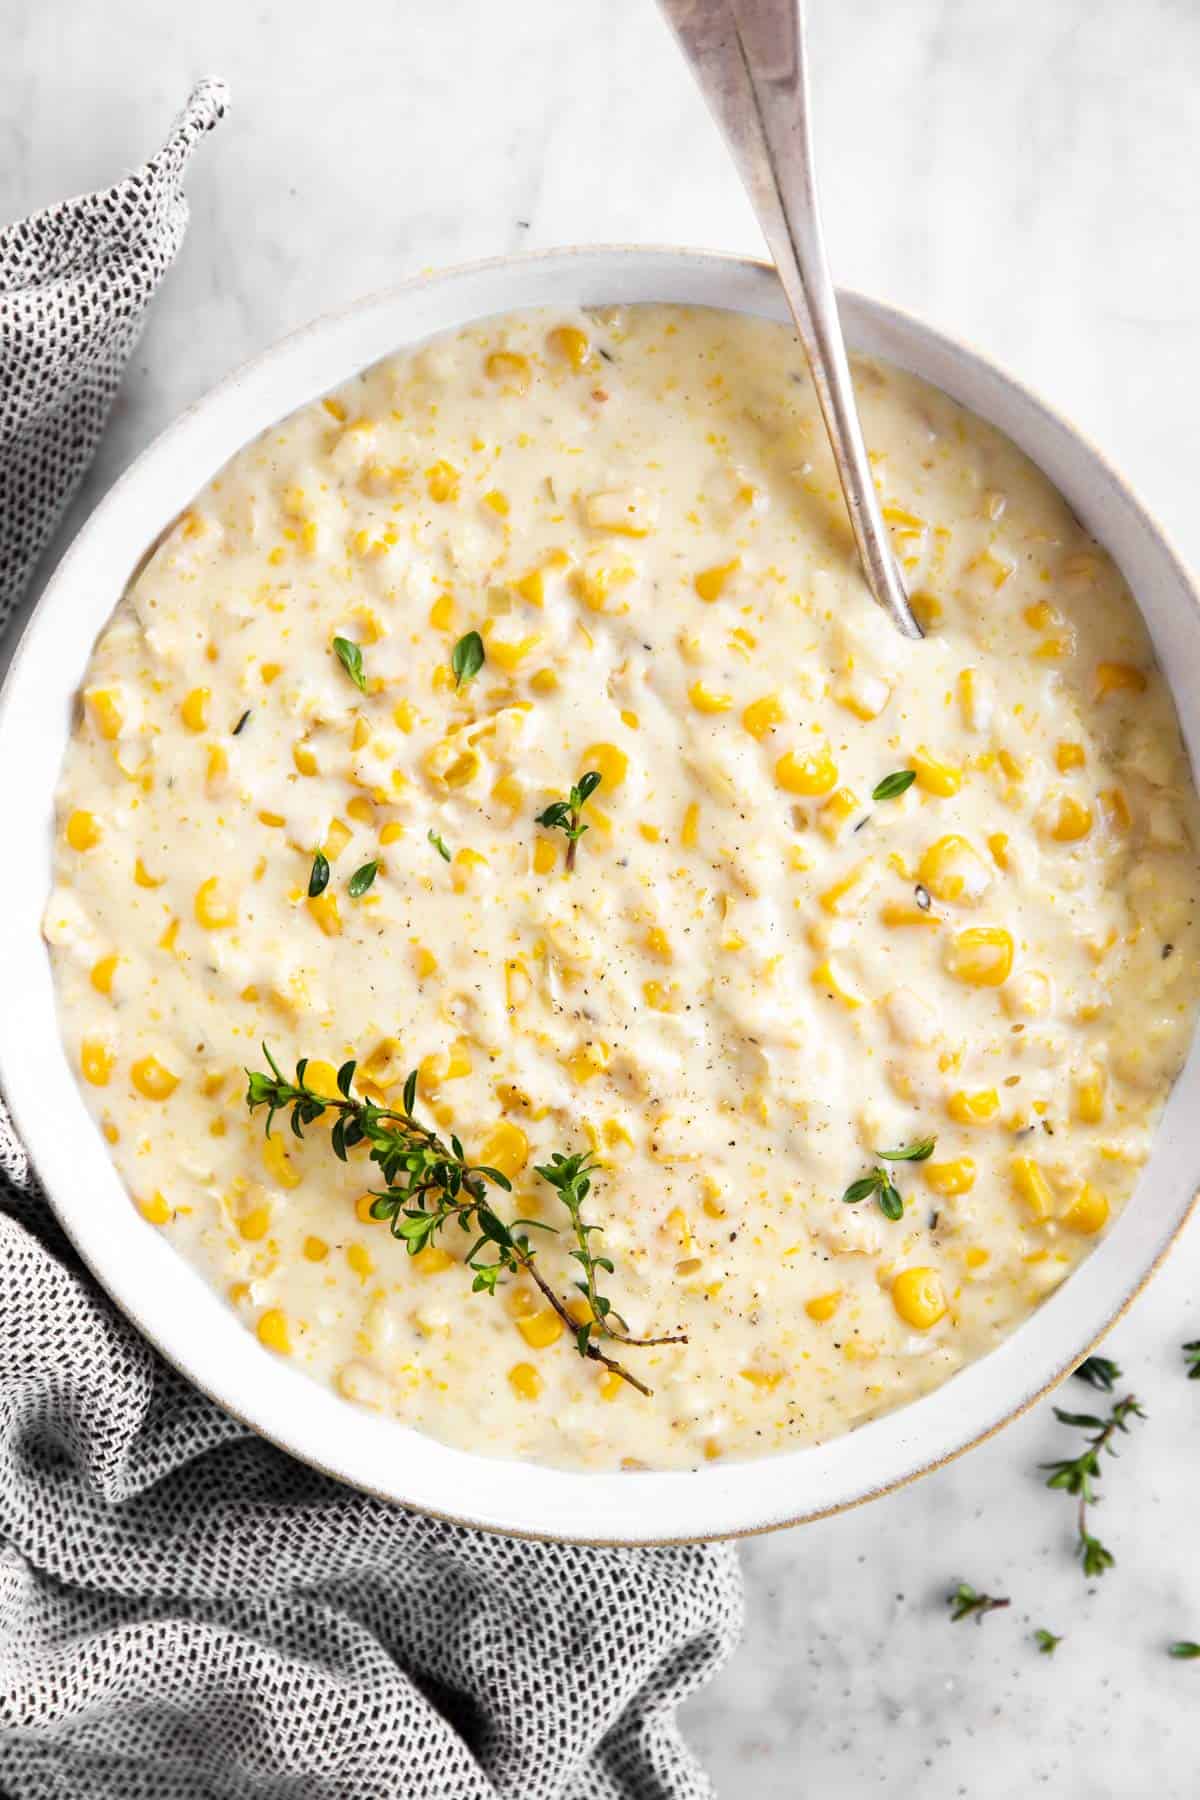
(755, 979)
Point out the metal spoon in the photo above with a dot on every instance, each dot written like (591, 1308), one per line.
(748, 57)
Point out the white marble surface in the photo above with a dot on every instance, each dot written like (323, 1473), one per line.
(1021, 174)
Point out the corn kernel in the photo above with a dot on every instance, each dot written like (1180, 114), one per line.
(323, 908)
(998, 845)
(927, 609)
(442, 1066)
(441, 481)
(274, 1331)
(918, 1297)
(630, 512)
(505, 1148)
(949, 1178)
(935, 776)
(96, 1060)
(896, 913)
(689, 831)
(152, 1079)
(1089, 1097)
(982, 956)
(838, 810)
(812, 774)
(525, 1381)
(510, 368)
(973, 1109)
(833, 899)
(545, 856)
(762, 1378)
(710, 584)
(278, 1163)
(463, 867)
(1068, 756)
(103, 972)
(707, 700)
(763, 715)
(953, 871)
(1116, 809)
(315, 1249)
(305, 759)
(215, 908)
(509, 653)
(822, 1307)
(106, 712)
(432, 1260)
(1116, 677)
(541, 1329)
(1088, 1211)
(155, 1210)
(1032, 1187)
(1072, 820)
(571, 344)
(826, 978)
(194, 709)
(441, 613)
(83, 830)
(254, 1224)
(612, 763)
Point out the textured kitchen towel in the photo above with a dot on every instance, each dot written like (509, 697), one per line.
(186, 1613)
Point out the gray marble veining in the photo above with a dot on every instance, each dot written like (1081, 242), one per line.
(1023, 176)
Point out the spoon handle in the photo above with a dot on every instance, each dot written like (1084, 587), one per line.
(749, 59)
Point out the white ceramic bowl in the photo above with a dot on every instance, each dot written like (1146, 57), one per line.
(190, 1323)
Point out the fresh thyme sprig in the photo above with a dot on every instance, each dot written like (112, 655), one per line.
(431, 1185)
(1047, 1641)
(1077, 1475)
(1099, 1372)
(1184, 1651)
(880, 1183)
(965, 1603)
(565, 815)
(1191, 1356)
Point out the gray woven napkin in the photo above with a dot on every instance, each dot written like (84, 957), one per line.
(184, 1610)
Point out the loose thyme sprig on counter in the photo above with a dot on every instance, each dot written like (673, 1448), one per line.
(1077, 1475)
(1191, 1356)
(965, 1603)
(565, 815)
(880, 1183)
(431, 1185)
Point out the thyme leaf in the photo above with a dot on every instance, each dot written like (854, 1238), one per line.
(350, 656)
(318, 880)
(467, 657)
(893, 785)
(1099, 1372)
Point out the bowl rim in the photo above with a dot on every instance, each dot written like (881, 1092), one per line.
(617, 1504)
